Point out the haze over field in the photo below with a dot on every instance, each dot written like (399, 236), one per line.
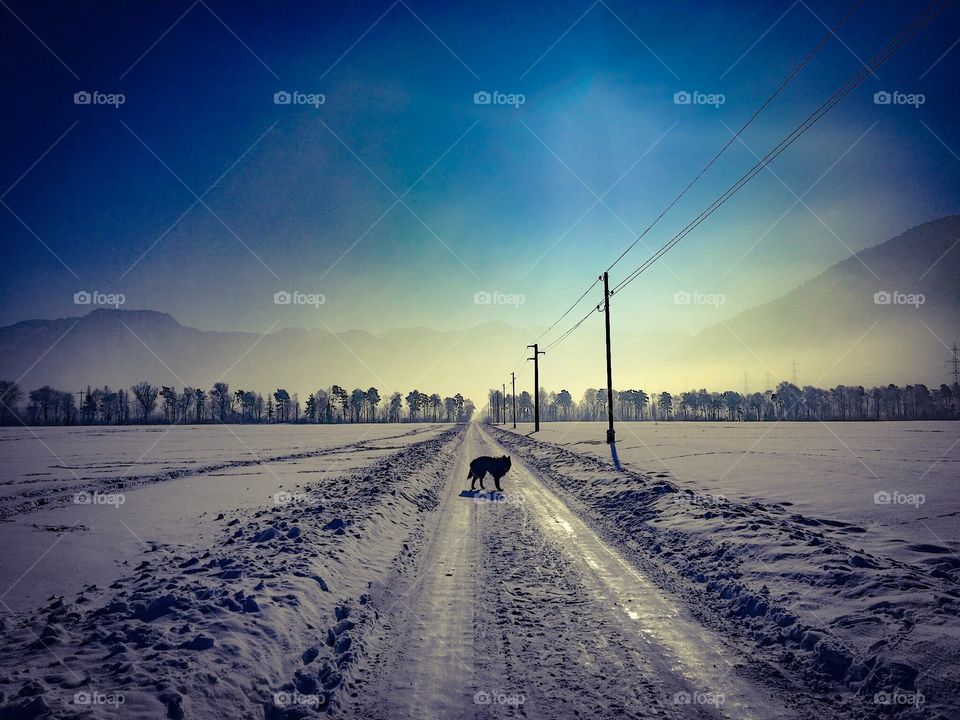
(835, 327)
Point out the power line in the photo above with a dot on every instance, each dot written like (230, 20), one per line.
(786, 81)
(911, 30)
(881, 57)
(569, 309)
(570, 331)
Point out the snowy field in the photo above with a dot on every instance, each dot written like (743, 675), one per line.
(213, 468)
(727, 571)
(823, 470)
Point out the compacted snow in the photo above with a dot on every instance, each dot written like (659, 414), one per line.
(102, 495)
(290, 571)
(826, 470)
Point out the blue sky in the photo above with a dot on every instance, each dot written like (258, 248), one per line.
(503, 198)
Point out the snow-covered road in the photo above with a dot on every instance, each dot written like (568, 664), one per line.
(518, 608)
(381, 587)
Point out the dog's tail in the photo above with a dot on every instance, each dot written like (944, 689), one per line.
(470, 475)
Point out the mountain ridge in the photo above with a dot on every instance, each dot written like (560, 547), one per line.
(831, 325)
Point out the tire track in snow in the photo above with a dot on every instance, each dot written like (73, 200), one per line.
(646, 631)
(426, 663)
(48, 497)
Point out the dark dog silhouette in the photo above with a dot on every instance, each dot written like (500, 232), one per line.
(498, 467)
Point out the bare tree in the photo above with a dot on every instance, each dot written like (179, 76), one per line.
(146, 395)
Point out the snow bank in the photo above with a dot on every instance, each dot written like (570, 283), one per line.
(883, 633)
(266, 621)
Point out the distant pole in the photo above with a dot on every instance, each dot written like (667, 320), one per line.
(536, 385)
(956, 365)
(503, 416)
(611, 434)
(513, 383)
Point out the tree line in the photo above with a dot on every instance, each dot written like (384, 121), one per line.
(147, 403)
(786, 402)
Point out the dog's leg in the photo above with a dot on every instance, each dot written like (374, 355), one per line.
(481, 481)
(473, 485)
(496, 481)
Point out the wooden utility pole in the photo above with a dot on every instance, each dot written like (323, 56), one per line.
(536, 385)
(955, 362)
(503, 418)
(513, 383)
(611, 434)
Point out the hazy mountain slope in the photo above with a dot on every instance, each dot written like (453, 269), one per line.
(121, 347)
(836, 330)
(831, 326)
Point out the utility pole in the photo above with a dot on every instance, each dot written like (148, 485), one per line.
(956, 365)
(513, 383)
(536, 385)
(611, 434)
(503, 415)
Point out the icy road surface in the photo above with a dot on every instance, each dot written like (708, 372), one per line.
(520, 607)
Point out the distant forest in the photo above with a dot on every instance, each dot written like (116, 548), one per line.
(787, 402)
(144, 403)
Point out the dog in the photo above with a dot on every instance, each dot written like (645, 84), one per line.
(479, 467)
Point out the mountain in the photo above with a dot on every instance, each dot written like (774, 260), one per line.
(121, 347)
(886, 314)
(831, 326)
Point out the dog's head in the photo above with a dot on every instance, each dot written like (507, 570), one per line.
(506, 460)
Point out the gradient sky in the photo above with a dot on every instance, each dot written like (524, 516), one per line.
(500, 205)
